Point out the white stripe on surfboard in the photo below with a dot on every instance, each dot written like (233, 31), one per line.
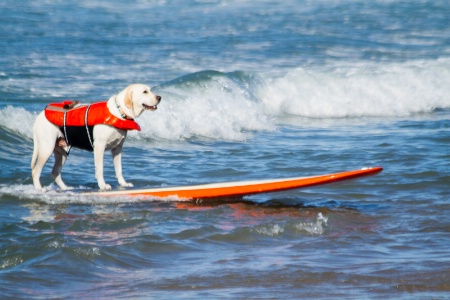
(201, 186)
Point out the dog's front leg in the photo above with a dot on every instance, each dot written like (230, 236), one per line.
(117, 159)
(99, 152)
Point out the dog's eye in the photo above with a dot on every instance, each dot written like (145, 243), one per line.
(145, 92)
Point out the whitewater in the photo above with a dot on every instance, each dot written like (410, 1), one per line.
(228, 106)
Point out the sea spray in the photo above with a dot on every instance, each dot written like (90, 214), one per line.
(314, 228)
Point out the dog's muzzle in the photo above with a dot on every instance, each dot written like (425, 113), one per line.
(152, 107)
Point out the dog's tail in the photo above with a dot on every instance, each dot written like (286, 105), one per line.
(35, 151)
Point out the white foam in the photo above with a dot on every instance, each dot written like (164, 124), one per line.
(359, 90)
(53, 195)
(215, 109)
(222, 106)
(18, 120)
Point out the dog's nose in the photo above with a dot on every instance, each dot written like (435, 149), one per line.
(158, 98)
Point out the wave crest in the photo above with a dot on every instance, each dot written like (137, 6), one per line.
(230, 106)
(392, 90)
(207, 104)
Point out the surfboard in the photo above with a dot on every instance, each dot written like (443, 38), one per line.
(241, 188)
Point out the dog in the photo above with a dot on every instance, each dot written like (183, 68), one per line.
(52, 136)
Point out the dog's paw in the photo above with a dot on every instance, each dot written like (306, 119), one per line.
(126, 184)
(67, 188)
(105, 187)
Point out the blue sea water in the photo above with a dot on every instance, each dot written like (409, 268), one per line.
(250, 90)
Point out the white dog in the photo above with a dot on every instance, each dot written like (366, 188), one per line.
(109, 133)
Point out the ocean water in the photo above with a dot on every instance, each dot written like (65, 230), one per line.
(250, 90)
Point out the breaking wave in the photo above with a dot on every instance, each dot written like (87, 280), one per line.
(230, 106)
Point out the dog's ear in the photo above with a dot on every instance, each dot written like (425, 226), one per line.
(128, 98)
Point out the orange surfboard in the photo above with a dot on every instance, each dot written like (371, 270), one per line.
(241, 188)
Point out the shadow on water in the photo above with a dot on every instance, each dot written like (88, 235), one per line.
(270, 204)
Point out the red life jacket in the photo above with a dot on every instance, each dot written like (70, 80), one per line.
(77, 122)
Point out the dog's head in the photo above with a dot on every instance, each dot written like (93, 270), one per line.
(137, 98)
